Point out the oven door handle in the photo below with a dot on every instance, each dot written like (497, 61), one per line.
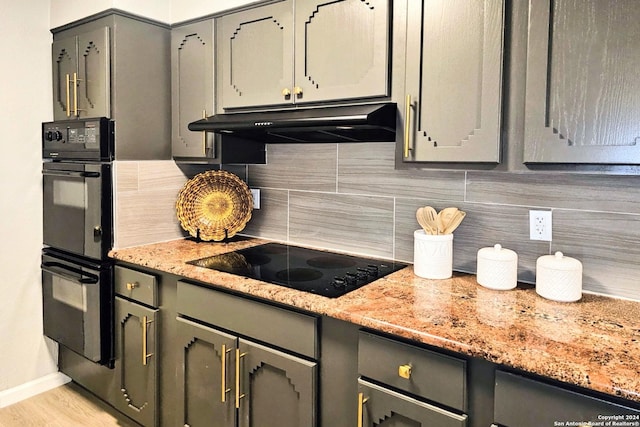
(61, 270)
(75, 174)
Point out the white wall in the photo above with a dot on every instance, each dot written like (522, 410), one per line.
(25, 102)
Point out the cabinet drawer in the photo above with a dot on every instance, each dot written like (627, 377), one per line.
(380, 403)
(279, 327)
(434, 376)
(519, 400)
(136, 285)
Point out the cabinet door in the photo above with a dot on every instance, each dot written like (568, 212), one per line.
(191, 87)
(274, 388)
(136, 367)
(205, 378)
(582, 103)
(341, 49)
(93, 87)
(255, 56)
(380, 407)
(454, 79)
(64, 66)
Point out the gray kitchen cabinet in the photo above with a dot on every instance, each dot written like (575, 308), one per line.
(582, 85)
(453, 82)
(136, 361)
(380, 406)
(220, 372)
(116, 65)
(524, 402)
(81, 75)
(403, 385)
(191, 87)
(304, 51)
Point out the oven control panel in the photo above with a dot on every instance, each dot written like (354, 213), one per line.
(87, 139)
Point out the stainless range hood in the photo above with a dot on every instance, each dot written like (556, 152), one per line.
(353, 123)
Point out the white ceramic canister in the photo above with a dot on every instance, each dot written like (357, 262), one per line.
(497, 268)
(559, 278)
(432, 255)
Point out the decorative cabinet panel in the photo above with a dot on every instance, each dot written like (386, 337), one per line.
(582, 103)
(325, 50)
(274, 388)
(205, 376)
(523, 402)
(81, 76)
(136, 361)
(379, 406)
(453, 82)
(191, 87)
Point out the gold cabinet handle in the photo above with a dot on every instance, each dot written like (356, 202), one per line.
(238, 394)
(68, 78)
(75, 94)
(361, 401)
(297, 91)
(407, 126)
(132, 285)
(286, 92)
(404, 371)
(204, 135)
(223, 359)
(145, 355)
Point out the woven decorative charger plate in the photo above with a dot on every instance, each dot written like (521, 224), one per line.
(214, 205)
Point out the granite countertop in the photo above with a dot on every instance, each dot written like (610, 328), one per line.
(593, 343)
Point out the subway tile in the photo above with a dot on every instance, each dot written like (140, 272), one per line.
(271, 220)
(556, 190)
(484, 225)
(356, 224)
(369, 168)
(309, 167)
(607, 244)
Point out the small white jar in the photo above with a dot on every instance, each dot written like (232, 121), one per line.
(432, 255)
(497, 268)
(559, 278)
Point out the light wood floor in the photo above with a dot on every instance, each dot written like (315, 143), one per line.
(65, 406)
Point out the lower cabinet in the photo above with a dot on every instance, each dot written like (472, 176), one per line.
(227, 378)
(136, 361)
(404, 385)
(380, 406)
(524, 402)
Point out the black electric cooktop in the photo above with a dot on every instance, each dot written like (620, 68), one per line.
(324, 273)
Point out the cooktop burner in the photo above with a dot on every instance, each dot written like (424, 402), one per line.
(309, 270)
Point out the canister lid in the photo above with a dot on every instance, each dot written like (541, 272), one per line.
(497, 253)
(559, 262)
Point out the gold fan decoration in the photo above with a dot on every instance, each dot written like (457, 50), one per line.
(214, 205)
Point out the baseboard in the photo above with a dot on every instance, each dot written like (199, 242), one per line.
(32, 388)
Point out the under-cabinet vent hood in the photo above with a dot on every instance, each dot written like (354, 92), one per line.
(353, 123)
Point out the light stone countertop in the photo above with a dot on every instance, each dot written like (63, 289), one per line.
(593, 343)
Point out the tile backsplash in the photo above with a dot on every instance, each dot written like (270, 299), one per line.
(350, 197)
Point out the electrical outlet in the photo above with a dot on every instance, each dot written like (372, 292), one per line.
(540, 225)
(255, 192)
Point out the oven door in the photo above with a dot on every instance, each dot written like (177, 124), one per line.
(77, 306)
(77, 212)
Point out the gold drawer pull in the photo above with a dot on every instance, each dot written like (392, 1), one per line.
(132, 285)
(297, 91)
(404, 371)
(361, 401)
(145, 355)
(238, 394)
(407, 127)
(286, 92)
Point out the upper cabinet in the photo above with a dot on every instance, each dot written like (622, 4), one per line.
(81, 75)
(453, 101)
(191, 87)
(116, 65)
(582, 85)
(316, 51)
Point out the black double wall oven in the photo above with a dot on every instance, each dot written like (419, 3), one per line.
(77, 281)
